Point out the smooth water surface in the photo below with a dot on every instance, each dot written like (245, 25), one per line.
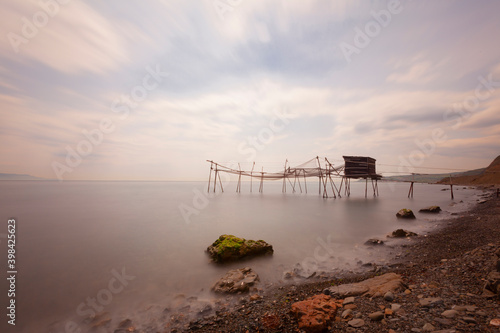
(74, 238)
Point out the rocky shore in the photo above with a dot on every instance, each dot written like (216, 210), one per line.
(443, 277)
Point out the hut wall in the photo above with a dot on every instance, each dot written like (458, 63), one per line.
(359, 166)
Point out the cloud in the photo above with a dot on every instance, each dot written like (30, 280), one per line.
(70, 38)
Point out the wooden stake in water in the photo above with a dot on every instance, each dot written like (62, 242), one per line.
(451, 189)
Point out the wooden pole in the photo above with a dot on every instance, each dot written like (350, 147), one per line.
(251, 177)
(298, 180)
(238, 187)
(332, 184)
(283, 188)
(340, 188)
(261, 188)
(320, 176)
(294, 181)
(215, 180)
(220, 183)
(451, 189)
(209, 178)
(305, 183)
(410, 192)
(366, 187)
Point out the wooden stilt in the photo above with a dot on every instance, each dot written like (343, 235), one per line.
(451, 189)
(292, 185)
(209, 178)
(294, 182)
(305, 183)
(220, 183)
(251, 177)
(283, 189)
(261, 187)
(215, 180)
(320, 176)
(297, 177)
(410, 192)
(332, 184)
(366, 187)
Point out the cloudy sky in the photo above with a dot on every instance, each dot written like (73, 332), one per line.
(151, 89)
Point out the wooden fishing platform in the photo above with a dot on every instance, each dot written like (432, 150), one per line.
(354, 167)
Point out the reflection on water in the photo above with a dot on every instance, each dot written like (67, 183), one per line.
(74, 238)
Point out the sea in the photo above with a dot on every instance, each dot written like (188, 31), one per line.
(136, 250)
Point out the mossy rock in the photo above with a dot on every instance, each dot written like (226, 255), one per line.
(405, 214)
(431, 209)
(230, 248)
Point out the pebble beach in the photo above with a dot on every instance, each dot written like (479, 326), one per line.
(443, 276)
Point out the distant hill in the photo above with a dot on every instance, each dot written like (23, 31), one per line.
(490, 175)
(14, 176)
(433, 178)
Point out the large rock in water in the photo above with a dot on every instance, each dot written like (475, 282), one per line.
(236, 280)
(230, 248)
(405, 214)
(431, 209)
(374, 287)
(316, 313)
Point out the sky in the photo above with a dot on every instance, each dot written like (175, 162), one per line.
(150, 90)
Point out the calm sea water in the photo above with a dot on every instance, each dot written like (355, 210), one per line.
(131, 249)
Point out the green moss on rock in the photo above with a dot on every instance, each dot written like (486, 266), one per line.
(230, 248)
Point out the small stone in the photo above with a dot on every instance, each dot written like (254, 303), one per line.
(459, 308)
(495, 322)
(388, 312)
(471, 308)
(350, 306)
(443, 321)
(400, 233)
(374, 241)
(348, 300)
(469, 320)
(431, 209)
(376, 316)
(416, 330)
(430, 301)
(395, 307)
(449, 313)
(346, 313)
(389, 296)
(407, 291)
(428, 328)
(356, 322)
